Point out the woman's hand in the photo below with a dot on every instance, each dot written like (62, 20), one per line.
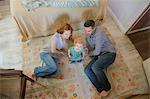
(62, 51)
(64, 54)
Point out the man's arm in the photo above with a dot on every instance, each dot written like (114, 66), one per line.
(98, 45)
(87, 46)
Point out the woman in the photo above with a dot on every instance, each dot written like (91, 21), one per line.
(54, 49)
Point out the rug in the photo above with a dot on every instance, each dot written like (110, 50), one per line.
(10, 49)
(72, 83)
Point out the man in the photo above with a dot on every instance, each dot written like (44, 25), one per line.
(103, 55)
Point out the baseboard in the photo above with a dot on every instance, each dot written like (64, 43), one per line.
(122, 29)
(139, 30)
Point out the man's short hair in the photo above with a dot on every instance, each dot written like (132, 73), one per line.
(89, 23)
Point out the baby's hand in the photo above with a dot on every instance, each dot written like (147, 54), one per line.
(69, 56)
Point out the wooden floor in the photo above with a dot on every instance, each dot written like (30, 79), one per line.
(141, 41)
(11, 50)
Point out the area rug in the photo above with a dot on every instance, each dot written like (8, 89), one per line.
(10, 49)
(72, 83)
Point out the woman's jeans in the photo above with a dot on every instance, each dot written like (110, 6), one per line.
(95, 70)
(49, 68)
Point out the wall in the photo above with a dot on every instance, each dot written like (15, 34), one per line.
(125, 12)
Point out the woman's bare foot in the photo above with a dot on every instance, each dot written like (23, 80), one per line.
(33, 76)
(104, 93)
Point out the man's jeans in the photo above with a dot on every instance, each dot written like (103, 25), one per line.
(95, 70)
(49, 68)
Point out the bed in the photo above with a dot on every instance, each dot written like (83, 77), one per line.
(34, 18)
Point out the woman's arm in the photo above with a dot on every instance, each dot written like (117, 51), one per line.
(53, 46)
(54, 50)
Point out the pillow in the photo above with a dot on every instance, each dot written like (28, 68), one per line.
(32, 4)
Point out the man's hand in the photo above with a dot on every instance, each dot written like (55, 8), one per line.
(86, 51)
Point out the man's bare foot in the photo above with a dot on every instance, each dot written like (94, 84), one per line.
(104, 93)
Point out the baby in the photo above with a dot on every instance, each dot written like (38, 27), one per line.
(76, 53)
